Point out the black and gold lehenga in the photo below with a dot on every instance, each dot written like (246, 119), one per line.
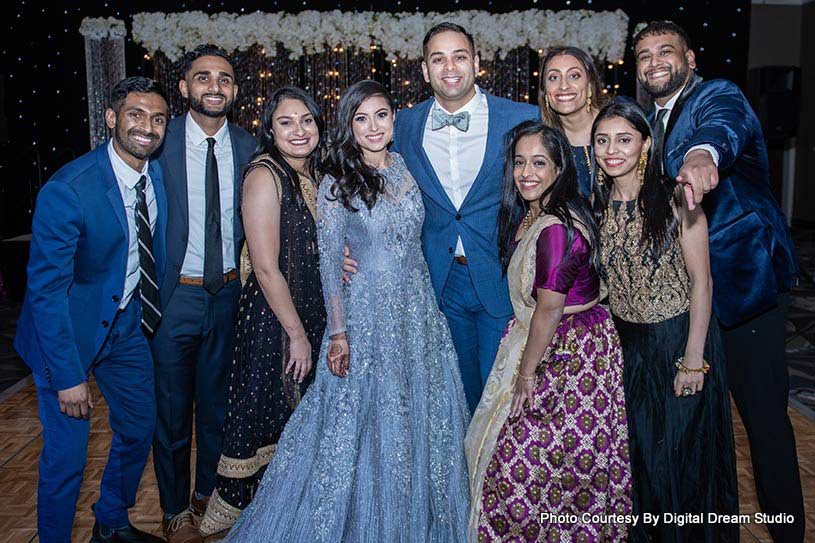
(261, 396)
(681, 448)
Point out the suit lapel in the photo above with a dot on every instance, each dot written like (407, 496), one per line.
(689, 89)
(160, 233)
(238, 160)
(113, 193)
(420, 159)
(494, 145)
(175, 174)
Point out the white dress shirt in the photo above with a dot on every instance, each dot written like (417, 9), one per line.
(669, 105)
(196, 145)
(457, 156)
(127, 178)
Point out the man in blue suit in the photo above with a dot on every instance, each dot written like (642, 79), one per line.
(453, 145)
(96, 258)
(203, 159)
(711, 141)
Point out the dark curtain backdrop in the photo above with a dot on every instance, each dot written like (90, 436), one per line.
(43, 112)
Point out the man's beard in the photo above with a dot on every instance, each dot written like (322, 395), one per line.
(199, 106)
(134, 149)
(675, 83)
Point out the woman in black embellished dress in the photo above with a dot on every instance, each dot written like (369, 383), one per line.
(655, 258)
(281, 316)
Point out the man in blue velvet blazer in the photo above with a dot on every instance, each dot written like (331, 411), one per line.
(453, 144)
(203, 158)
(713, 145)
(85, 306)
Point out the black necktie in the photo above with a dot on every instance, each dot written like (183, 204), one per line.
(658, 129)
(148, 287)
(213, 246)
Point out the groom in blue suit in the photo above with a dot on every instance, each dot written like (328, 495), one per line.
(453, 144)
(96, 258)
(711, 141)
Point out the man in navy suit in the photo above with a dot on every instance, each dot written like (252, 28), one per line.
(453, 145)
(203, 158)
(711, 142)
(96, 257)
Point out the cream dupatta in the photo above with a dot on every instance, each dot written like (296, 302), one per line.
(493, 409)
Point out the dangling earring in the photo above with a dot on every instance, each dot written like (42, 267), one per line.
(546, 101)
(641, 165)
(588, 103)
(601, 176)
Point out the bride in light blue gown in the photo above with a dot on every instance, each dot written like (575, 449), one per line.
(374, 451)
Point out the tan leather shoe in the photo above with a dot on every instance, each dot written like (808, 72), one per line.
(182, 528)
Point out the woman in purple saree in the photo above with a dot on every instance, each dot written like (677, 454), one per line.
(548, 444)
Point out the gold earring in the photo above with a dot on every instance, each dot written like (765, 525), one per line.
(641, 165)
(588, 103)
(601, 176)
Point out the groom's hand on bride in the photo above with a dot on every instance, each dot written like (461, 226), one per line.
(339, 355)
(349, 265)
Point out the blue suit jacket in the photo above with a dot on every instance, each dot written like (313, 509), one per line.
(173, 159)
(77, 267)
(476, 221)
(752, 257)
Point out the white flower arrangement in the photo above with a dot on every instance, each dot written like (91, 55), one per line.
(601, 34)
(101, 28)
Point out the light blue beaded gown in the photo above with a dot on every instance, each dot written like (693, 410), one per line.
(376, 456)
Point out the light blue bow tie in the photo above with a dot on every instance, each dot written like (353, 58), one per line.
(440, 119)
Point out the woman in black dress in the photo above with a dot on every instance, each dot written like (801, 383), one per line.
(281, 315)
(655, 258)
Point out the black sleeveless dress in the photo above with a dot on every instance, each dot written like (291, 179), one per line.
(261, 396)
(682, 450)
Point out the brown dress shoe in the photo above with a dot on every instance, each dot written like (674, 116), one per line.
(182, 528)
(198, 506)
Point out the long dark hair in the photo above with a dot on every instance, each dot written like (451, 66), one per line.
(598, 99)
(564, 199)
(658, 196)
(345, 162)
(266, 143)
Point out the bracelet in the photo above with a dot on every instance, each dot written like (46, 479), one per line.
(527, 379)
(680, 365)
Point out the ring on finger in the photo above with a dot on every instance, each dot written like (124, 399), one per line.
(687, 391)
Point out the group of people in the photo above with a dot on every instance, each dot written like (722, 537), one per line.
(470, 320)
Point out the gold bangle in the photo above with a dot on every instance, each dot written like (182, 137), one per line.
(527, 379)
(680, 365)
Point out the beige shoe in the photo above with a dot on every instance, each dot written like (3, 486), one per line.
(182, 528)
(218, 519)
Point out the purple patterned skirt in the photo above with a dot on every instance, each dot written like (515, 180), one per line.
(560, 471)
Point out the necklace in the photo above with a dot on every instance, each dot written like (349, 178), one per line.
(529, 219)
(588, 158)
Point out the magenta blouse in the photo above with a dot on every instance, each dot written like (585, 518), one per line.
(570, 274)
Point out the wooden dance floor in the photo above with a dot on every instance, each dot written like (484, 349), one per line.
(20, 444)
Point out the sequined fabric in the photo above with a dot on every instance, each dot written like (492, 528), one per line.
(639, 290)
(376, 456)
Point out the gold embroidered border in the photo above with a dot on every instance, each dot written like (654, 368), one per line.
(220, 516)
(240, 468)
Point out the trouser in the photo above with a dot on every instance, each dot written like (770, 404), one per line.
(757, 374)
(192, 352)
(123, 369)
(476, 334)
